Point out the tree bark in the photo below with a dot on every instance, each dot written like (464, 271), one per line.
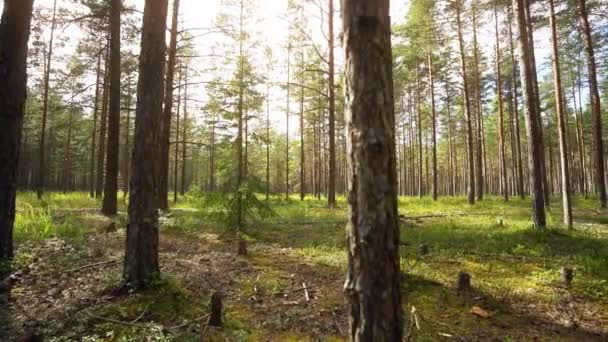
(480, 169)
(94, 135)
(520, 172)
(467, 109)
(433, 126)
(103, 123)
(45, 109)
(111, 184)
(535, 157)
(373, 281)
(331, 182)
(141, 254)
(184, 136)
(559, 106)
(165, 130)
(596, 111)
(504, 189)
(14, 36)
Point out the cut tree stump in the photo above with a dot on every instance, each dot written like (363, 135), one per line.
(215, 318)
(423, 249)
(567, 275)
(464, 282)
(242, 248)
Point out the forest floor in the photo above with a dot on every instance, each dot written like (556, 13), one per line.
(69, 261)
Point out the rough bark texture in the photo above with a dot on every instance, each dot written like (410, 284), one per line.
(535, 157)
(111, 184)
(141, 254)
(559, 105)
(596, 112)
(14, 36)
(372, 284)
(165, 130)
(103, 124)
(467, 109)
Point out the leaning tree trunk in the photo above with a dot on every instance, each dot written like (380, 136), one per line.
(596, 111)
(165, 130)
(372, 284)
(111, 184)
(559, 105)
(535, 157)
(14, 36)
(467, 109)
(141, 254)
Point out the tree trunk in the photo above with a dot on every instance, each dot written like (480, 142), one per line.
(45, 109)
(302, 156)
(480, 169)
(165, 130)
(419, 124)
(433, 125)
(14, 36)
(103, 123)
(373, 281)
(520, 172)
(559, 106)
(331, 182)
(94, 135)
(267, 141)
(176, 149)
(287, 122)
(141, 254)
(535, 157)
(111, 183)
(596, 112)
(504, 189)
(467, 108)
(184, 136)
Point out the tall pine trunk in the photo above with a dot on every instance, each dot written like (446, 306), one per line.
(535, 156)
(373, 281)
(504, 189)
(141, 254)
(331, 182)
(559, 106)
(596, 111)
(14, 36)
(467, 108)
(111, 184)
(45, 109)
(165, 130)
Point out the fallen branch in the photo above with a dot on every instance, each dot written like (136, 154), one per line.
(189, 322)
(115, 321)
(97, 264)
(142, 313)
(337, 324)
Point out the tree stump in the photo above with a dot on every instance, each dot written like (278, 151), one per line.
(464, 282)
(423, 249)
(242, 248)
(567, 275)
(215, 318)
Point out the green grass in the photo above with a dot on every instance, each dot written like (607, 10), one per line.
(511, 264)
